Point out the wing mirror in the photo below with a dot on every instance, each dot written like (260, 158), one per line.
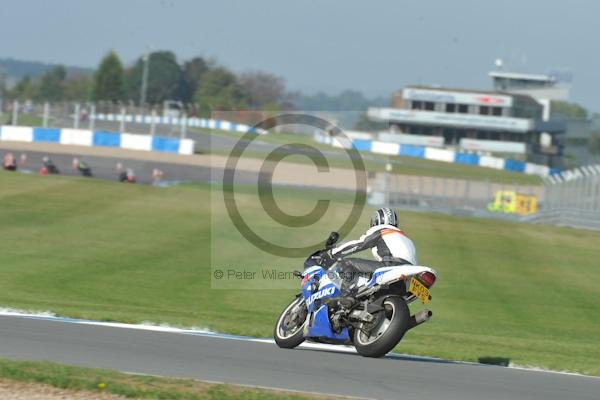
(332, 239)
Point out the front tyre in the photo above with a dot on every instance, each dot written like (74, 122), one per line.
(381, 336)
(289, 330)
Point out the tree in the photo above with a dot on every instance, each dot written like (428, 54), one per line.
(52, 84)
(108, 80)
(363, 123)
(348, 100)
(569, 110)
(25, 89)
(78, 88)
(219, 89)
(263, 90)
(594, 143)
(193, 71)
(164, 78)
(2, 82)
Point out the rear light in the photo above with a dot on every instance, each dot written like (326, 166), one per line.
(427, 278)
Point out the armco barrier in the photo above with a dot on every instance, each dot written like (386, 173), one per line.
(385, 148)
(360, 144)
(431, 153)
(410, 150)
(512, 165)
(16, 133)
(83, 137)
(466, 158)
(106, 139)
(46, 135)
(165, 144)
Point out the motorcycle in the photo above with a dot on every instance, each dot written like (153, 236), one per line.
(374, 318)
(127, 176)
(48, 167)
(84, 169)
(9, 163)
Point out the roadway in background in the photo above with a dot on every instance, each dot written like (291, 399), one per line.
(177, 167)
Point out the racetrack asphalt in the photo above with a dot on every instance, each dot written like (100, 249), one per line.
(106, 168)
(175, 167)
(246, 361)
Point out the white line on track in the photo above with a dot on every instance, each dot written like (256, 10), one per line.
(48, 316)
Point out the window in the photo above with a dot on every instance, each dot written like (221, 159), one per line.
(449, 136)
(450, 107)
(417, 105)
(496, 111)
(484, 110)
(460, 133)
(429, 106)
(463, 108)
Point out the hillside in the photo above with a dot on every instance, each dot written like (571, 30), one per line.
(18, 69)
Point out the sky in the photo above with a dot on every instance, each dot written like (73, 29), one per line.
(372, 46)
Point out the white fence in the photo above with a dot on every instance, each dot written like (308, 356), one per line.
(573, 199)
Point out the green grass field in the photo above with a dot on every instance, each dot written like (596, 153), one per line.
(102, 250)
(24, 119)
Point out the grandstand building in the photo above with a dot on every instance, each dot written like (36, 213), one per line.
(511, 119)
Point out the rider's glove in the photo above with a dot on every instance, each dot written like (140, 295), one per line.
(328, 259)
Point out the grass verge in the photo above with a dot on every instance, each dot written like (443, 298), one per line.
(24, 119)
(134, 386)
(101, 250)
(376, 162)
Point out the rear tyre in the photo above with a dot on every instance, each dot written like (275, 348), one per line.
(289, 330)
(381, 336)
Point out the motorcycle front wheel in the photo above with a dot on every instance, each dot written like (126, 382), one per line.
(289, 330)
(382, 335)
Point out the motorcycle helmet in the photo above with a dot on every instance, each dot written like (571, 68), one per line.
(384, 216)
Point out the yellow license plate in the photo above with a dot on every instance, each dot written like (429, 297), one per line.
(419, 290)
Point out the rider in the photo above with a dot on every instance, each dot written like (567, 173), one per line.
(388, 243)
(9, 163)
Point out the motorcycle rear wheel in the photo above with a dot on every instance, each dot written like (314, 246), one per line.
(289, 330)
(383, 335)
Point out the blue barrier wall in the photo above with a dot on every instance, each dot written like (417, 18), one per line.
(513, 165)
(459, 157)
(362, 145)
(466, 158)
(85, 137)
(167, 145)
(106, 139)
(46, 135)
(412, 151)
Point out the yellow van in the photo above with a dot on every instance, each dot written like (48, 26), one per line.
(511, 202)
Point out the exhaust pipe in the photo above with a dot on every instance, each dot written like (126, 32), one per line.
(419, 318)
